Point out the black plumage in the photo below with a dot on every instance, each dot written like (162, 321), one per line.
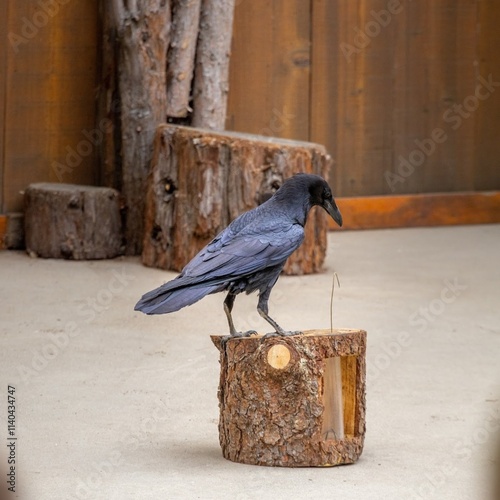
(249, 254)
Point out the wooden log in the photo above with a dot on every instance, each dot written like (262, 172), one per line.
(143, 35)
(201, 180)
(181, 55)
(293, 401)
(211, 79)
(72, 222)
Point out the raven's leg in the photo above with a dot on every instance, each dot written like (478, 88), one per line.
(228, 307)
(262, 309)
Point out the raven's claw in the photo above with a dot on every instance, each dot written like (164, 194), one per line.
(280, 333)
(236, 335)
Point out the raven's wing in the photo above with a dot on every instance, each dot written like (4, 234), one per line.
(251, 243)
(256, 247)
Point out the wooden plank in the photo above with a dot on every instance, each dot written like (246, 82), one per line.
(487, 166)
(3, 231)
(3, 99)
(349, 373)
(51, 88)
(434, 71)
(270, 69)
(324, 79)
(440, 209)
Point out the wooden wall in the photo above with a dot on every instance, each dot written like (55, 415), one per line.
(291, 76)
(48, 79)
(301, 69)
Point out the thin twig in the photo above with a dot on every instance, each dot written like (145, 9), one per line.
(335, 275)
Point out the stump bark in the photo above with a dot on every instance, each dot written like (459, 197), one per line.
(293, 401)
(72, 222)
(201, 180)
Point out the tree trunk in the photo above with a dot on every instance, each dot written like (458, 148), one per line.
(66, 221)
(108, 113)
(181, 55)
(143, 35)
(201, 180)
(293, 401)
(211, 80)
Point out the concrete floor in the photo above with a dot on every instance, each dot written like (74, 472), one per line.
(113, 404)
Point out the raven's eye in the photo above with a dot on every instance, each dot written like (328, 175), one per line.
(327, 194)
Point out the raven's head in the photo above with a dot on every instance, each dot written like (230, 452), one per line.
(321, 194)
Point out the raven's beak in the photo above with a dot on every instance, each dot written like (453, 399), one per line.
(334, 212)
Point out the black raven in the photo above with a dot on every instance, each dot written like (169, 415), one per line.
(249, 254)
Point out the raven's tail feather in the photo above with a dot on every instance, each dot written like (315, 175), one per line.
(167, 299)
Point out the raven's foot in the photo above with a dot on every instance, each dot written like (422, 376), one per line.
(237, 335)
(279, 333)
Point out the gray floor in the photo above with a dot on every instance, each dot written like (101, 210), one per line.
(112, 404)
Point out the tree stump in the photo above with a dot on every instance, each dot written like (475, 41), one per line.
(72, 222)
(201, 180)
(293, 401)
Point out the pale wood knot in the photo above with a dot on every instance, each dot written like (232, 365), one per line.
(279, 356)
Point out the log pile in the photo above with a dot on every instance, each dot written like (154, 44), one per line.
(201, 180)
(162, 60)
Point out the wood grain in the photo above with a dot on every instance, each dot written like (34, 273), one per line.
(3, 231)
(49, 96)
(441, 209)
(270, 69)
(374, 108)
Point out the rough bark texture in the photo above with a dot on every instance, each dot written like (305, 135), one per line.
(201, 180)
(67, 221)
(272, 414)
(143, 36)
(211, 80)
(181, 55)
(108, 119)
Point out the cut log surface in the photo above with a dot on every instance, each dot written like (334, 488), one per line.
(201, 180)
(69, 221)
(278, 400)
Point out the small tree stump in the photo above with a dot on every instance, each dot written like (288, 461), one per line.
(293, 401)
(72, 222)
(201, 180)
